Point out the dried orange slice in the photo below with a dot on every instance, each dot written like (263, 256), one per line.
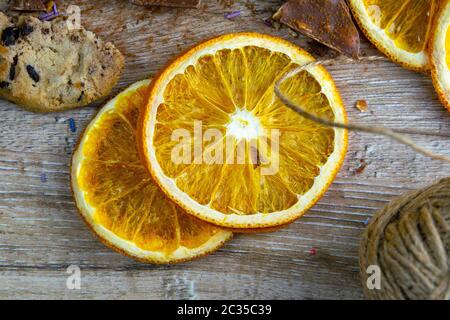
(118, 199)
(400, 29)
(440, 54)
(222, 146)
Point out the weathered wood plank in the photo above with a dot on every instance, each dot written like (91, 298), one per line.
(41, 233)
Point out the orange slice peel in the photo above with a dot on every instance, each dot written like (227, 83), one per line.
(440, 54)
(399, 29)
(118, 199)
(226, 84)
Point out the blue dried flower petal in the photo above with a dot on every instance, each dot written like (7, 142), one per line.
(72, 125)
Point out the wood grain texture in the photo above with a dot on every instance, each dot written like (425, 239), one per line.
(41, 233)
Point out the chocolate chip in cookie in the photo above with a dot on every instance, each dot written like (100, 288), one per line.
(33, 73)
(10, 36)
(12, 69)
(25, 30)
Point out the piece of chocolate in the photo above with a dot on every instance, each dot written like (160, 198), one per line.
(28, 5)
(326, 21)
(10, 36)
(33, 73)
(169, 3)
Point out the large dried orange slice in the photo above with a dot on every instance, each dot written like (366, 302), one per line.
(118, 199)
(440, 54)
(399, 28)
(222, 146)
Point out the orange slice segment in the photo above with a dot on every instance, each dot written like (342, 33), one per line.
(400, 29)
(222, 146)
(440, 54)
(118, 198)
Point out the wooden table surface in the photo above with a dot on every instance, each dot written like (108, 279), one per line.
(41, 233)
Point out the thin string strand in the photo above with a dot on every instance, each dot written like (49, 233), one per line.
(390, 133)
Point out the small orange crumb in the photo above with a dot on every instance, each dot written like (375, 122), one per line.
(362, 105)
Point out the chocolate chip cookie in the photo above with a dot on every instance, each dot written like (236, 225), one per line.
(46, 67)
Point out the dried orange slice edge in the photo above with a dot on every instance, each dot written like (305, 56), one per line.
(399, 29)
(440, 54)
(237, 196)
(119, 201)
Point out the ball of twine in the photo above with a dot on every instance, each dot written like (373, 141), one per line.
(409, 240)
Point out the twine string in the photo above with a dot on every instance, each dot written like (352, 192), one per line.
(408, 239)
(376, 130)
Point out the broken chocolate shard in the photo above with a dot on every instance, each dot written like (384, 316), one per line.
(327, 21)
(28, 5)
(169, 3)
